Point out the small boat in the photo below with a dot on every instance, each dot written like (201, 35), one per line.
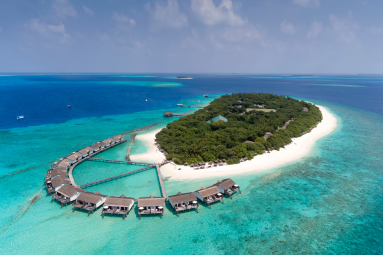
(146, 100)
(68, 106)
(20, 117)
(205, 95)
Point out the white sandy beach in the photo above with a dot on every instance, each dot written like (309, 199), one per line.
(298, 148)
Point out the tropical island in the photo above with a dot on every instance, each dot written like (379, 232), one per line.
(237, 127)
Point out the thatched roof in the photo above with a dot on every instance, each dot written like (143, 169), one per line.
(151, 201)
(85, 150)
(225, 184)
(60, 180)
(74, 156)
(118, 201)
(97, 145)
(182, 198)
(57, 171)
(108, 141)
(69, 190)
(64, 163)
(168, 114)
(205, 192)
(89, 197)
(305, 109)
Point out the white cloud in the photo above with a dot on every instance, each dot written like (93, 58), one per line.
(63, 8)
(123, 22)
(48, 30)
(1, 29)
(248, 33)
(307, 2)
(168, 15)
(287, 28)
(87, 10)
(315, 29)
(343, 29)
(373, 30)
(211, 15)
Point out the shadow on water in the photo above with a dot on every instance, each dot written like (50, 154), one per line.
(22, 211)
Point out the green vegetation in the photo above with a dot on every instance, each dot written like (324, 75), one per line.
(260, 109)
(190, 139)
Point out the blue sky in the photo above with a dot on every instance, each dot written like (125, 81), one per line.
(208, 36)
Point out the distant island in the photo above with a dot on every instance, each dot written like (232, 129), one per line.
(183, 77)
(237, 127)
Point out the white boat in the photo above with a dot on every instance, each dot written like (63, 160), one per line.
(20, 117)
(146, 100)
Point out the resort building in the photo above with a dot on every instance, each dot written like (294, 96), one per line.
(109, 142)
(74, 157)
(88, 201)
(118, 206)
(218, 118)
(57, 183)
(209, 195)
(86, 151)
(182, 202)
(118, 138)
(227, 187)
(55, 172)
(66, 194)
(150, 205)
(63, 163)
(98, 146)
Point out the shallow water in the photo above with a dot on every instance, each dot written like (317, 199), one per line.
(329, 202)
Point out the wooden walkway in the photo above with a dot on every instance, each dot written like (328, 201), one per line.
(118, 161)
(179, 114)
(163, 191)
(115, 177)
(70, 173)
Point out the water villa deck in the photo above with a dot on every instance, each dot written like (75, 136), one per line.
(182, 202)
(227, 187)
(118, 206)
(66, 194)
(88, 201)
(55, 172)
(56, 183)
(209, 195)
(150, 205)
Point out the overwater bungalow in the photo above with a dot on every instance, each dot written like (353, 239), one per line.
(118, 206)
(74, 157)
(182, 202)
(63, 163)
(209, 195)
(109, 142)
(86, 151)
(67, 194)
(118, 138)
(150, 205)
(98, 146)
(56, 183)
(88, 201)
(227, 187)
(55, 172)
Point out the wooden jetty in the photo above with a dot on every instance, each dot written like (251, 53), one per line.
(118, 161)
(115, 177)
(171, 114)
(163, 191)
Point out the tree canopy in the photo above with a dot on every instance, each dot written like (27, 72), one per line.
(191, 139)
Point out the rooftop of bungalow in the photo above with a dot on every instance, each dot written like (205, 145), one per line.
(118, 137)
(183, 197)
(121, 201)
(89, 197)
(150, 201)
(210, 191)
(225, 183)
(56, 172)
(218, 118)
(74, 156)
(86, 150)
(60, 180)
(69, 190)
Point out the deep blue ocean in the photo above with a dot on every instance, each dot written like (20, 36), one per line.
(329, 202)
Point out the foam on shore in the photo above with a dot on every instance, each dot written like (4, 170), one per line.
(300, 147)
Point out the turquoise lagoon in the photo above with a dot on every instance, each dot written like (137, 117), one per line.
(329, 202)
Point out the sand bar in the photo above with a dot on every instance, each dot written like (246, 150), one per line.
(298, 148)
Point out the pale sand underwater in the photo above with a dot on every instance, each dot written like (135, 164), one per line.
(300, 147)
